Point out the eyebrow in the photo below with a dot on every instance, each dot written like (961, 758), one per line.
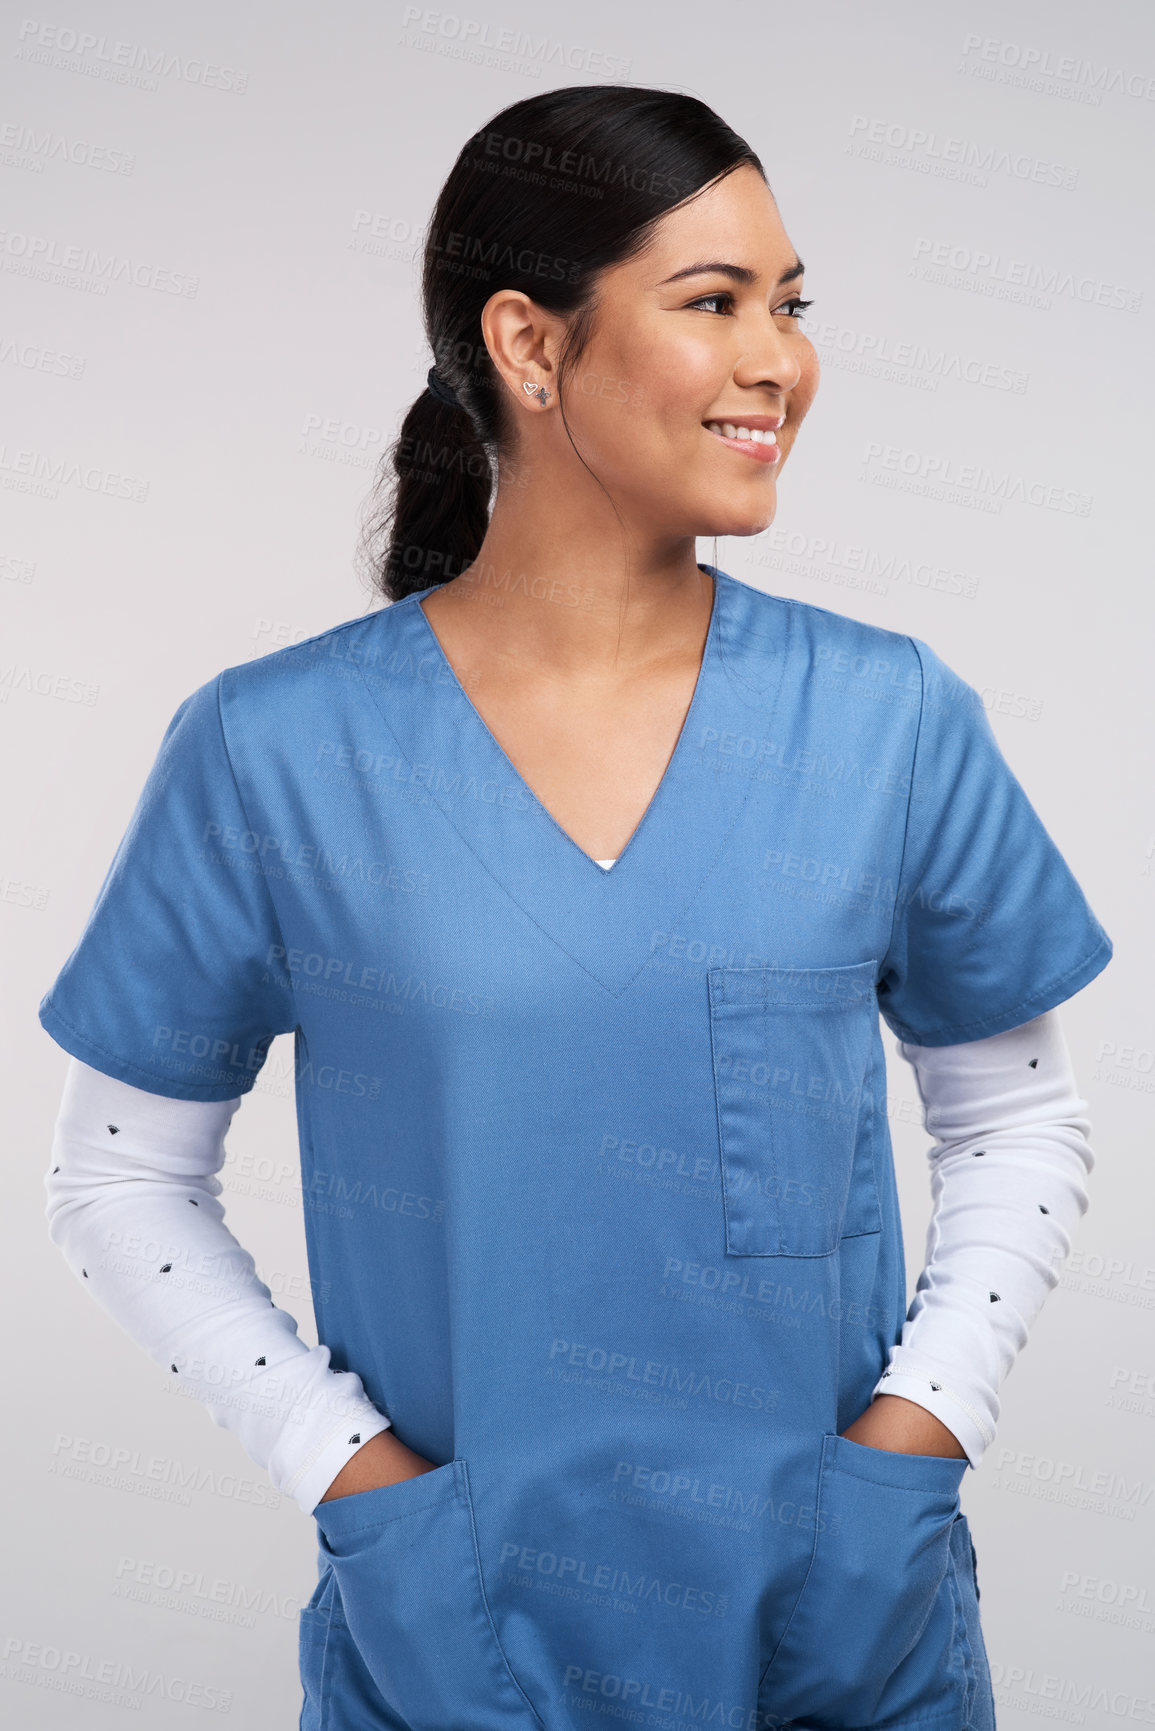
(738, 272)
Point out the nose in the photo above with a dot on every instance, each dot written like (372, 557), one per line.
(772, 360)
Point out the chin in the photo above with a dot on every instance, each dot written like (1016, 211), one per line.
(746, 522)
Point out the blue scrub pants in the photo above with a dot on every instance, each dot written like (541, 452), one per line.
(884, 1631)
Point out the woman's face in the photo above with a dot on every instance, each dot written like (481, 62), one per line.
(676, 347)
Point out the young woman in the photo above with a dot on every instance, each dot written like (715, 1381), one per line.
(581, 874)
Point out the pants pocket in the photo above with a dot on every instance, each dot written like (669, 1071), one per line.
(874, 1631)
(406, 1569)
(792, 1049)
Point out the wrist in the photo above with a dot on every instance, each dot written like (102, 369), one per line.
(383, 1460)
(893, 1422)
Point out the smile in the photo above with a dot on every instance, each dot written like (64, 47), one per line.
(758, 442)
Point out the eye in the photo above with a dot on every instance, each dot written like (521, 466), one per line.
(720, 296)
(793, 308)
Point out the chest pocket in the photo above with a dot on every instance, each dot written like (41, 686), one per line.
(793, 1054)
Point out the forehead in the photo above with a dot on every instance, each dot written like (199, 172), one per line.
(735, 220)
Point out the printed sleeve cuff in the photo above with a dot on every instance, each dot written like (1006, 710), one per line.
(311, 1482)
(957, 1415)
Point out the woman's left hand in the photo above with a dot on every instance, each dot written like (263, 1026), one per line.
(890, 1422)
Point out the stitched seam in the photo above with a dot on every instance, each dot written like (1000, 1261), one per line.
(488, 1612)
(962, 1645)
(292, 1484)
(819, 1504)
(268, 894)
(391, 1520)
(471, 849)
(948, 1719)
(914, 1039)
(740, 807)
(124, 1063)
(886, 1484)
(909, 792)
(984, 1428)
(322, 1679)
(726, 1222)
(504, 888)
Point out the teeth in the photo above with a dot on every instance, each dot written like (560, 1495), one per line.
(728, 430)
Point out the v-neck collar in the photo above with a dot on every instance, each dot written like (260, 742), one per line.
(607, 922)
(708, 651)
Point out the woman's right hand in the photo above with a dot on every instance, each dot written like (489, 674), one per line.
(383, 1460)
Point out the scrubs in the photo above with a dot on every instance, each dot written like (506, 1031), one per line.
(598, 1186)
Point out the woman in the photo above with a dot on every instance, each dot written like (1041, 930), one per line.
(581, 874)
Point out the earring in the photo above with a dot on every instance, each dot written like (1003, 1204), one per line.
(538, 391)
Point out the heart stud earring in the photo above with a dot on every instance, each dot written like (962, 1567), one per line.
(538, 391)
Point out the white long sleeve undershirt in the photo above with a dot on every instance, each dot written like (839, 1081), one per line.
(1008, 1182)
(133, 1206)
(132, 1191)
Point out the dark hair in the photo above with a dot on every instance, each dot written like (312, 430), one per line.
(549, 193)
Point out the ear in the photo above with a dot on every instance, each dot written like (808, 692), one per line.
(523, 340)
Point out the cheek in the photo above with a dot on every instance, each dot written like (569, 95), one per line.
(673, 378)
(613, 395)
(809, 372)
(636, 401)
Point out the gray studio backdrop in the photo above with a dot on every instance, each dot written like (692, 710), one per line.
(211, 228)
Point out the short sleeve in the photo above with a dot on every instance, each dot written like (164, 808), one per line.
(170, 987)
(990, 926)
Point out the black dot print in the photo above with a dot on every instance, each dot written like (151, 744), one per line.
(194, 1201)
(937, 1386)
(261, 1360)
(977, 1153)
(356, 1437)
(84, 1271)
(176, 1372)
(114, 1129)
(56, 1169)
(1032, 1064)
(886, 1373)
(167, 1269)
(994, 1298)
(1043, 1210)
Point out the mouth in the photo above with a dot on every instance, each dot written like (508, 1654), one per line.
(755, 436)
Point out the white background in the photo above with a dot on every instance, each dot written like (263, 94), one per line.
(969, 187)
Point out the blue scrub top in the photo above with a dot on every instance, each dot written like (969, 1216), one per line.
(598, 1185)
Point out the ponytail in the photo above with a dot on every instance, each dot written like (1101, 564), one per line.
(435, 503)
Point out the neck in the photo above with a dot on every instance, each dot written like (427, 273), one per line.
(568, 599)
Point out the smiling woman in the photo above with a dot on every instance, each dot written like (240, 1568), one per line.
(618, 1403)
(676, 376)
(671, 305)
